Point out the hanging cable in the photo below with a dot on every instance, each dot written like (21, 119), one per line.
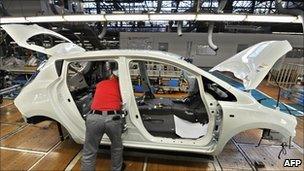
(210, 41)
(179, 28)
(279, 95)
(220, 9)
(283, 150)
(104, 30)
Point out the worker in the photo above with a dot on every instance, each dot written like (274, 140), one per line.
(31, 60)
(105, 118)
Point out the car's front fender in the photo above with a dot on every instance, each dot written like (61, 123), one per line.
(241, 117)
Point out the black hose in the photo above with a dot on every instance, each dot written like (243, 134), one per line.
(279, 94)
(283, 150)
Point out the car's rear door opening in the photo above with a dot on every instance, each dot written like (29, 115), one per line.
(82, 78)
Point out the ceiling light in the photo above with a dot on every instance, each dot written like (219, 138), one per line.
(172, 17)
(220, 17)
(287, 33)
(6, 20)
(127, 17)
(271, 18)
(118, 12)
(299, 20)
(45, 19)
(82, 18)
(154, 17)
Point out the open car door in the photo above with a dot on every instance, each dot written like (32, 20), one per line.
(253, 64)
(21, 33)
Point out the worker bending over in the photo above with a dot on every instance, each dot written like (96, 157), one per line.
(105, 118)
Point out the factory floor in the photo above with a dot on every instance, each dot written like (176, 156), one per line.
(38, 147)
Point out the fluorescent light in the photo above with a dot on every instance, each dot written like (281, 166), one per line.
(172, 17)
(286, 33)
(220, 17)
(82, 18)
(118, 12)
(127, 17)
(154, 17)
(299, 20)
(7, 20)
(45, 19)
(271, 18)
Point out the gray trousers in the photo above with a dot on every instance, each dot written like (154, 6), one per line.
(96, 126)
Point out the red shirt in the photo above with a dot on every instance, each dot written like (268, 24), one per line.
(107, 96)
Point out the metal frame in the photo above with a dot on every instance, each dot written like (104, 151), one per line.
(172, 6)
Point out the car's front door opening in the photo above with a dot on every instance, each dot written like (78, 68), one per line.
(168, 100)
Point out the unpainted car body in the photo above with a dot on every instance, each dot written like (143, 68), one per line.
(48, 95)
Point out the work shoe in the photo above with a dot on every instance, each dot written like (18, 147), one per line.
(123, 166)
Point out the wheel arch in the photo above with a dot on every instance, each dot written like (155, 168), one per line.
(223, 139)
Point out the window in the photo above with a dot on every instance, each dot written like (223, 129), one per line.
(162, 46)
(241, 47)
(217, 91)
(139, 43)
(45, 40)
(168, 100)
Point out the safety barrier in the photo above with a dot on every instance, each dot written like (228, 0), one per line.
(286, 75)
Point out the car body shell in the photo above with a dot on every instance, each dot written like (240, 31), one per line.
(48, 95)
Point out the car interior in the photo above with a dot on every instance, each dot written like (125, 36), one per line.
(82, 78)
(162, 111)
(166, 109)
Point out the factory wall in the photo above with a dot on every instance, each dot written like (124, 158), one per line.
(228, 44)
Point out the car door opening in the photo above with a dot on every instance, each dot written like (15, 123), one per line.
(82, 78)
(168, 100)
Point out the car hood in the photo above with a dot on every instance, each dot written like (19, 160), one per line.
(21, 33)
(253, 64)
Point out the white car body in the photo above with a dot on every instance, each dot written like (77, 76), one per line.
(48, 94)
